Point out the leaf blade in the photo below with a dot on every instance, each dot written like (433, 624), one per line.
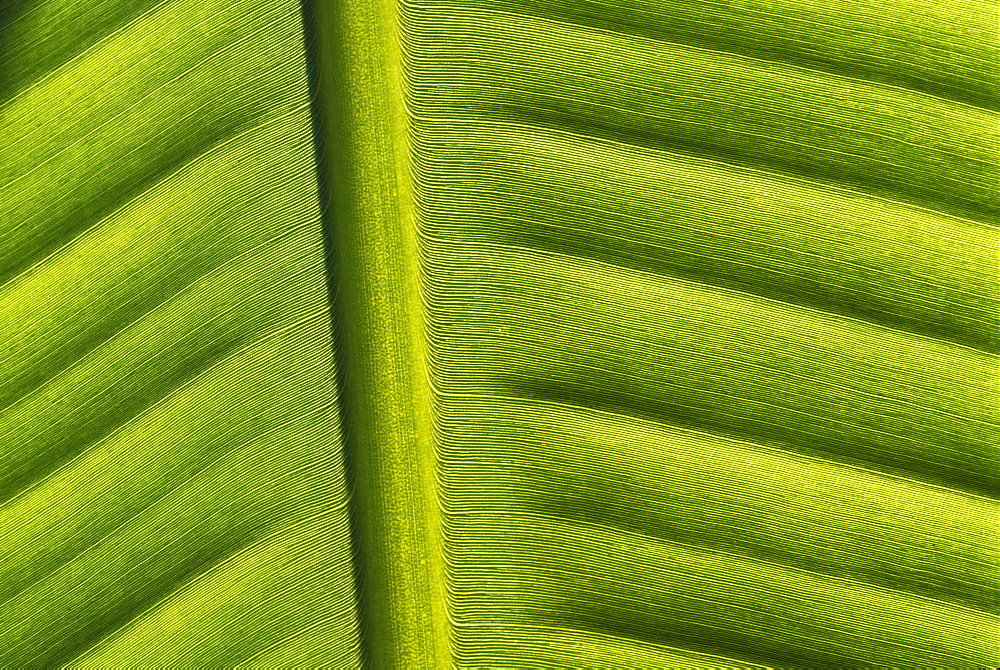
(174, 485)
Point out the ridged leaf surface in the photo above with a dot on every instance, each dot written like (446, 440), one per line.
(172, 478)
(495, 333)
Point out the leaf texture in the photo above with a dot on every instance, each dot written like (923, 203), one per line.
(172, 478)
(712, 295)
(493, 333)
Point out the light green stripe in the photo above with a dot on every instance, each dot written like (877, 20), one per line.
(375, 264)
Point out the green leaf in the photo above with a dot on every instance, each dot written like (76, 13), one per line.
(173, 485)
(712, 312)
(564, 333)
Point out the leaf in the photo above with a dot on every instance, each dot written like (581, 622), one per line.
(712, 316)
(582, 333)
(173, 485)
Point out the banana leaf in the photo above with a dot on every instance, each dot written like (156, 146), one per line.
(495, 333)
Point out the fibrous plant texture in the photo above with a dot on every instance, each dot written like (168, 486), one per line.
(499, 333)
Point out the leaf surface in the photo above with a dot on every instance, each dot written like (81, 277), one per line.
(173, 484)
(712, 297)
(584, 333)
